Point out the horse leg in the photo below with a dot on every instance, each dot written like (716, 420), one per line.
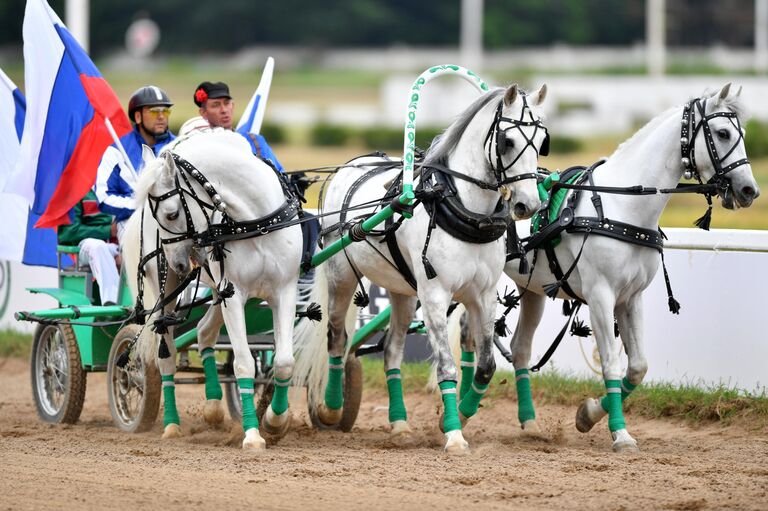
(467, 356)
(481, 324)
(207, 333)
(630, 318)
(531, 311)
(402, 312)
(340, 290)
(245, 368)
(435, 302)
(166, 363)
(283, 303)
(601, 308)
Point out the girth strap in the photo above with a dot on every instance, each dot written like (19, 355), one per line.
(390, 237)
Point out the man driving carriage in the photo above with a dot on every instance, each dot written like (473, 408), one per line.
(149, 109)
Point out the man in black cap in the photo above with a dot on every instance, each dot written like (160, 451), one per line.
(216, 107)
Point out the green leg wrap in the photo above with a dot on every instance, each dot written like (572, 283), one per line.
(626, 390)
(280, 397)
(450, 413)
(170, 413)
(396, 404)
(470, 402)
(467, 372)
(212, 385)
(613, 402)
(334, 396)
(525, 410)
(250, 420)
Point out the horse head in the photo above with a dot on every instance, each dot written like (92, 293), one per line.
(716, 151)
(175, 207)
(515, 142)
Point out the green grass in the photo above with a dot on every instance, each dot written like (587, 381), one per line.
(688, 402)
(15, 344)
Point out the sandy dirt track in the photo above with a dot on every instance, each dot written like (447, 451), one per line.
(92, 465)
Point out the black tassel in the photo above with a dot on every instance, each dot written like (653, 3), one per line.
(162, 351)
(524, 268)
(510, 300)
(567, 308)
(615, 328)
(428, 269)
(674, 305)
(312, 313)
(227, 292)
(579, 329)
(705, 220)
(124, 358)
(500, 326)
(361, 299)
(552, 289)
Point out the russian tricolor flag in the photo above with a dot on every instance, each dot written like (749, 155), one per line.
(69, 108)
(13, 208)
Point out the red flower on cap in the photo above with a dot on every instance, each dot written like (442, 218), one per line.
(201, 95)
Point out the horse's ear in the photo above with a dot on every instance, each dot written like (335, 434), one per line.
(724, 92)
(147, 155)
(738, 92)
(169, 166)
(510, 95)
(539, 96)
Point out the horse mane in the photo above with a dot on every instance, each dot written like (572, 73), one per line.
(446, 142)
(147, 178)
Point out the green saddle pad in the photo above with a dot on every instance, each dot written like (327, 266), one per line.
(550, 214)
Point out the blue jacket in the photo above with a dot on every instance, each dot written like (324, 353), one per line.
(115, 181)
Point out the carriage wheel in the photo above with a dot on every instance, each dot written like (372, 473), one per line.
(133, 390)
(353, 395)
(58, 377)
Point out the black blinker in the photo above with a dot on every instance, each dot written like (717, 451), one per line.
(503, 144)
(544, 150)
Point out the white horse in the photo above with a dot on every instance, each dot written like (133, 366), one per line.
(204, 190)
(612, 274)
(495, 141)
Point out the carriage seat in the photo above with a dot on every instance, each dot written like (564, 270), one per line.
(75, 275)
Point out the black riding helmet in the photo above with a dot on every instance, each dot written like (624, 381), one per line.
(147, 96)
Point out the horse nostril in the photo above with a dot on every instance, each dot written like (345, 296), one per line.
(748, 192)
(520, 209)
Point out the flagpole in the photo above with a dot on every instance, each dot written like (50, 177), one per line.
(120, 147)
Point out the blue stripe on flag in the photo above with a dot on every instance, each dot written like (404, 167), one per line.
(40, 245)
(21, 108)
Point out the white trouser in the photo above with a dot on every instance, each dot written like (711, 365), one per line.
(100, 255)
(120, 230)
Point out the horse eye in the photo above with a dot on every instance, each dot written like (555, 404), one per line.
(723, 134)
(172, 216)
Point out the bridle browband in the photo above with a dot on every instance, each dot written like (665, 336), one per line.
(496, 141)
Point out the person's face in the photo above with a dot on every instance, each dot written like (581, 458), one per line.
(154, 119)
(218, 112)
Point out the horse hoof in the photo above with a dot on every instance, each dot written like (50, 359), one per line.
(623, 442)
(589, 413)
(276, 425)
(253, 441)
(401, 433)
(171, 431)
(455, 444)
(531, 429)
(329, 416)
(213, 412)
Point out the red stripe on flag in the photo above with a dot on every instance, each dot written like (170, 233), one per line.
(80, 173)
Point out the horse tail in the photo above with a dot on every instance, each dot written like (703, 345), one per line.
(146, 345)
(454, 340)
(310, 343)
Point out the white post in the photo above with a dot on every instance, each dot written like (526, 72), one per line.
(761, 36)
(77, 21)
(471, 37)
(655, 32)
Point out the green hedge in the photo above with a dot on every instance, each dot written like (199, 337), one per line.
(564, 145)
(390, 139)
(756, 139)
(329, 135)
